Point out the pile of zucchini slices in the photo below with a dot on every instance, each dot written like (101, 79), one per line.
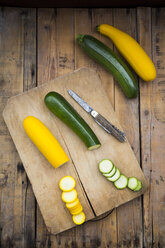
(112, 173)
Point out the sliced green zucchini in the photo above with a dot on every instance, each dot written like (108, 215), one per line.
(121, 183)
(111, 173)
(105, 166)
(132, 183)
(139, 186)
(115, 176)
(59, 106)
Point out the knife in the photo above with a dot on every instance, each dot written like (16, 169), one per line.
(104, 123)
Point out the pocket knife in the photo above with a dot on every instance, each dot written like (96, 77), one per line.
(104, 123)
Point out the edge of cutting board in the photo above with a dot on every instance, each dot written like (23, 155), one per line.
(80, 70)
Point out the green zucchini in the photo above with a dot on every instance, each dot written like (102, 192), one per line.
(59, 106)
(111, 61)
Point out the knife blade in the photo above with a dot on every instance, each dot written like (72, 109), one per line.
(104, 123)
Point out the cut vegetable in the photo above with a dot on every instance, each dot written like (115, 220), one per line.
(69, 196)
(78, 219)
(73, 204)
(67, 183)
(132, 183)
(45, 141)
(105, 166)
(59, 106)
(76, 207)
(115, 177)
(111, 173)
(121, 183)
(77, 211)
(139, 186)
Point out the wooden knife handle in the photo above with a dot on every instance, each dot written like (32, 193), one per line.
(110, 128)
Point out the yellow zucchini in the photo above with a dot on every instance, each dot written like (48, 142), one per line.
(45, 141)
(131, 51)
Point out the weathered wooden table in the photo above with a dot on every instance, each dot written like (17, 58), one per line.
(37, 45)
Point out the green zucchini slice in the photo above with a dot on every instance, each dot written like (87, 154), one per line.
(105, 166)
(121, 183)
(139, 186)
(132, 183)
(115, 176)
(111, 173)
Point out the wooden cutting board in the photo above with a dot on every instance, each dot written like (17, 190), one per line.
(95, 192)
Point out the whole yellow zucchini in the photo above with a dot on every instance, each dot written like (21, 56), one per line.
(45, 141)
(131, 51)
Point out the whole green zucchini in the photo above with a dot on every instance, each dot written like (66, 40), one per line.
(111, 61)
(59, 106)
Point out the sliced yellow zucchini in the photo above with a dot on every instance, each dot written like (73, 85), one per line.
(77, 211)
(67, 183)
(79, 219)
(73, 204)
(75, 208)
(70, 196)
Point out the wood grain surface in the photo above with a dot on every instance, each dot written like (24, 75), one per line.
(31, 44)
(95, 190)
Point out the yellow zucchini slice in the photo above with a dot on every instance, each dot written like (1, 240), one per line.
(77, 211)
(70, 196)
(45, 141)
(67, 183)
(75, 208)
(79, 219)
(73, 204)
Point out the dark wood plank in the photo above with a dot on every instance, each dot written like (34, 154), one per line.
(158, 129)
(145, 40)
(47, 70)
(55, 58)
(129, 216)
(17, 72)
(81, 3)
